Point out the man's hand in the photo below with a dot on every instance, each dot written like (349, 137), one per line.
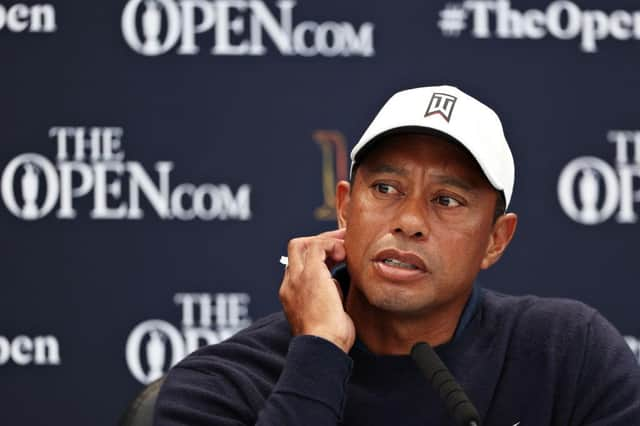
(312, 300)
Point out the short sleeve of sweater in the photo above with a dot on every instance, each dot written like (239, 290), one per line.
(609, 380)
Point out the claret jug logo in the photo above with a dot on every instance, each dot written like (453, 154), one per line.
(155, 345)
(442, 104)
(237, 27)
(90, 163)
(590, 190)
(334, 168)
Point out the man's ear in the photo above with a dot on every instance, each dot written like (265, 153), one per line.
(343, 196)
(501, 236)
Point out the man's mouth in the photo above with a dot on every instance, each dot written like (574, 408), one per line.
(401, 260)
(398, 264)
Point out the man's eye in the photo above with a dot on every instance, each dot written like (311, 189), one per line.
(447, 201)
(384, 188)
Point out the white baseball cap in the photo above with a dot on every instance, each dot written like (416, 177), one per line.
(450, 111)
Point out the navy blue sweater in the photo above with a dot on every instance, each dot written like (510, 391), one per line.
(520, 359)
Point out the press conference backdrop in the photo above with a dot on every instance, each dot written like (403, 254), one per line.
(157, 155)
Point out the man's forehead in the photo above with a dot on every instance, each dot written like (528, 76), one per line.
(382, 167)
(380, 156)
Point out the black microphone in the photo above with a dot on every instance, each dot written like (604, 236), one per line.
(456, 401)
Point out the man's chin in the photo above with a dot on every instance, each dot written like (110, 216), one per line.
(406, 299)
(400, 303)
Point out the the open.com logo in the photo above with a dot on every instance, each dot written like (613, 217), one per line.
(238, 27)
(590, 190)
(155, 345)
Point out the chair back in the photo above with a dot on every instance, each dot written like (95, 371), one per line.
(140, 410)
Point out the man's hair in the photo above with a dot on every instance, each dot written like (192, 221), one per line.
(501, 206)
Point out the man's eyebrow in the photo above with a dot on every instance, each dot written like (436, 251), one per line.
(388, 168)
(454, 181)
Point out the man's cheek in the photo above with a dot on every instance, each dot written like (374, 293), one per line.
(349, 249)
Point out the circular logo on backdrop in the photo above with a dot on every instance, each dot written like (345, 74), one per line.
(152, 347)
(588, 190)
(142, 25)
(34, 175)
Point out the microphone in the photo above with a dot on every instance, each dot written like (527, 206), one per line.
(436, 373)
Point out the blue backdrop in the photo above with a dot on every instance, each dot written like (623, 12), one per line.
(157, 155)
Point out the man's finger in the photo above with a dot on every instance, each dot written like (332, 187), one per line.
(296, 253)
(339, 288)
(331, 249)
(314, 252)
(336, 233)
(326, 249)
(321, 254)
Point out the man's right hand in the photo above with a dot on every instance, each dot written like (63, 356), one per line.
(311, 298)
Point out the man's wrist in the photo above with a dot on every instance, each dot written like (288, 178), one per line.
(343, 344)
(318, 370)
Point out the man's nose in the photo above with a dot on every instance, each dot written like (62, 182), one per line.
(411, 218)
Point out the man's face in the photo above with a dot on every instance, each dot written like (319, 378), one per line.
(419, 221)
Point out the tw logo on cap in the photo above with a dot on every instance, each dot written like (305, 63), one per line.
(442, 104)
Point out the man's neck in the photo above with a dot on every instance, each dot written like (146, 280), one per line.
(392, 333)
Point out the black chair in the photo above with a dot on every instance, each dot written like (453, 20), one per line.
(140, 410)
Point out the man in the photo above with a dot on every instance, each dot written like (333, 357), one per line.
(423, 214)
